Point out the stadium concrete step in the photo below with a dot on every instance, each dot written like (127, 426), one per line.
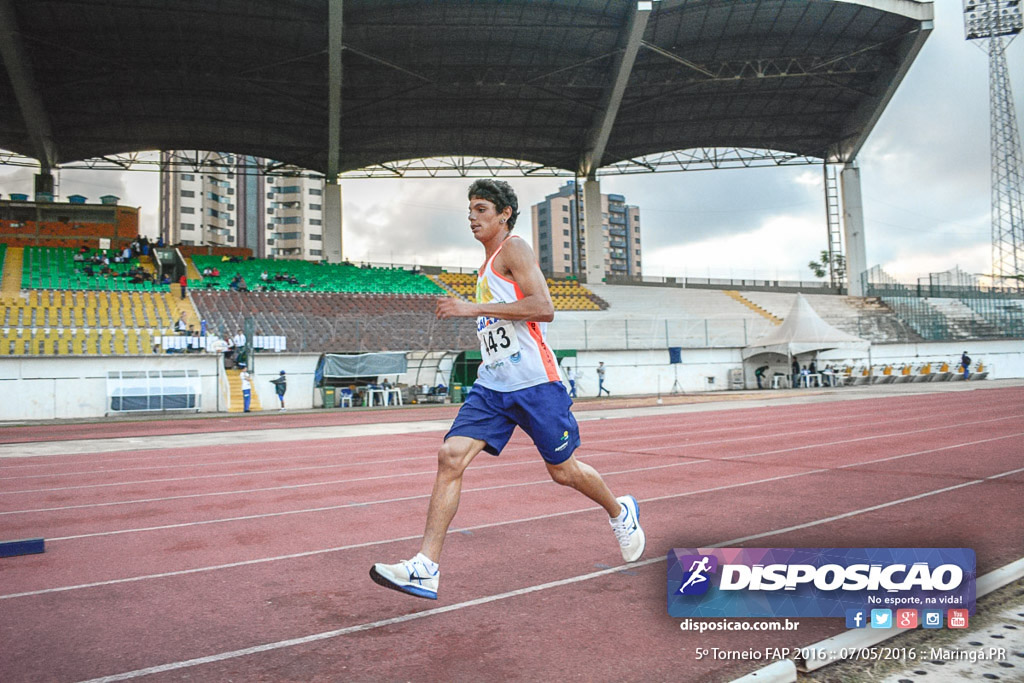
(775, 320)
(147, 264)
(235, 387)
(11, 283)
(192, 271)
(176, 306)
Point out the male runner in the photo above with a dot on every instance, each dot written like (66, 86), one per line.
(517, 385)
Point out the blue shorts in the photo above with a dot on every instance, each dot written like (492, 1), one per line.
(542, 411)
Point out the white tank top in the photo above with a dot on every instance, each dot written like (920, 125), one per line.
(535, 362)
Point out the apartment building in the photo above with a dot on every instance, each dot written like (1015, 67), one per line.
(229, 202)
(558, 234)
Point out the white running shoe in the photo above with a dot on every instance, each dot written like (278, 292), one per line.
(627, 530)
(408, 576)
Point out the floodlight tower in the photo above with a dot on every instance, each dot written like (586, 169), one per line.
(993, 24)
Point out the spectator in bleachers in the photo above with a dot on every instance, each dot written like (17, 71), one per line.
(160, 242)
(193, 344)
(965, 362)
(181, 327)
(166, 279)
(183, 281)
(227, 347)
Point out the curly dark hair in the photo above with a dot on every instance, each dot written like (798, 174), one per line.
(500, 194)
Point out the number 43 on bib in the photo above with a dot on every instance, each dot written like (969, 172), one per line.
(498, 341)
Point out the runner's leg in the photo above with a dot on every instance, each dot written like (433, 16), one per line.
(586, 480)
(452, 461)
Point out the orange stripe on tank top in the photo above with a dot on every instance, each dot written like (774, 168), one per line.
(547, 357)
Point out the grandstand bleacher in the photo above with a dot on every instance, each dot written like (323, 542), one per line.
(566, 295)
(52, 305)
(306, 276)
(337, 321)
(66, 268)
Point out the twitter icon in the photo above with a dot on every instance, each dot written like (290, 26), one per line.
(881, 618)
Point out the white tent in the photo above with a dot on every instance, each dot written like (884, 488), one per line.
(803, 331)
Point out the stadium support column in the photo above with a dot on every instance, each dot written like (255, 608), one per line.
(332, 222)
(44, 186)
(853, 229)
(594, 248)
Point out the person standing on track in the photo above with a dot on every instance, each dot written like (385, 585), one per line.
(600, 380)
(518, 384)
(280, 386)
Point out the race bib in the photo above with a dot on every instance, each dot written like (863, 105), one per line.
(498, 341)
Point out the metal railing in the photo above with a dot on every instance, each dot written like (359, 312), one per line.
(1000, 310)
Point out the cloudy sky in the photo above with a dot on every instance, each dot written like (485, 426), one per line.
(924, 173)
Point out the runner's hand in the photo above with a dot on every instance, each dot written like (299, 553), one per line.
(449, 307)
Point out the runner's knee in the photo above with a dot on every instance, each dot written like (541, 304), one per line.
(453, 458)
(565, 474)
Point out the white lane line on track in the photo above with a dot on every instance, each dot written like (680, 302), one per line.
(285, 434)
(540, 482)
(368, 626)
(593, 452)
(741, 424)
(212, 439)
(323, 551)
(692, 444)
(470, 490)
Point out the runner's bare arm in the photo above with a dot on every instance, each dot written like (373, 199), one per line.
(517, 262)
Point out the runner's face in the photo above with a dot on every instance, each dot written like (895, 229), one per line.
(484, 219)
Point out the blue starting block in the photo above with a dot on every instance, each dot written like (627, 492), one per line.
(26, 546)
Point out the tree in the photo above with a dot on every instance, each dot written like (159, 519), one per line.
(820, 268)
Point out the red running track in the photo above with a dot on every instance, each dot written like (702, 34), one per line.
(250, 562)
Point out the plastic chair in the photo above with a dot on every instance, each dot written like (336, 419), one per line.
(346, 397)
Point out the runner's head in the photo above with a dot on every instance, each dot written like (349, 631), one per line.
(499, 193)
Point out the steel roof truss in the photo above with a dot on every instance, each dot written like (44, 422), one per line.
(604, 121)
(30, 102)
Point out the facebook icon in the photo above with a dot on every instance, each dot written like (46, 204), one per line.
(856, 618)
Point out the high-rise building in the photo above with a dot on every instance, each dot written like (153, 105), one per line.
(557, 234)
(228, 202)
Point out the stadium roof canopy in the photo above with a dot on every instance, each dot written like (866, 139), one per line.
(570, 86)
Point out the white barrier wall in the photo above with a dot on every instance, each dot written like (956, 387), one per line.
(645, 372)
(1004, 359)
(299, 369)
(43, 388)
